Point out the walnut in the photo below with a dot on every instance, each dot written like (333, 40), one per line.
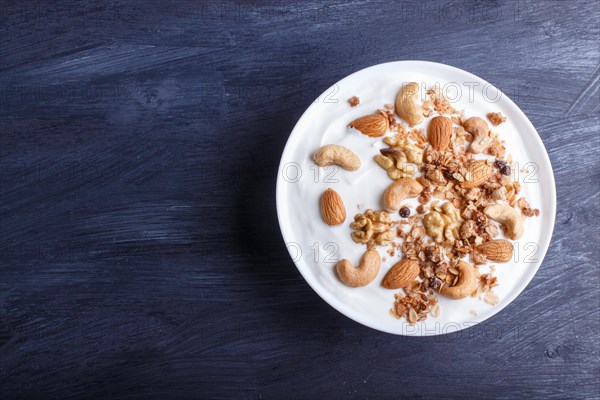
(400, 158)
(413, 153)
(443, 225)
(395, 162)
(373, 228)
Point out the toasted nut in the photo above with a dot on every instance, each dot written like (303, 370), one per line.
(401, 189)
(401, 274)
(498, 250)
(407, 106)
(373, 228)
(479, 129)
(395, 162)
(439, 132)
(364, 274)
(465, 285)
(478, 173)
(371, 125)
(508, 217)
(332, 154)
(443, 226)
(332, 208)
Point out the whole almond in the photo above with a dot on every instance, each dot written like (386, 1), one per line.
(371, 125)
(332, 208)
(401, 274)
(478, 173)
(499, 250)
(439, 132)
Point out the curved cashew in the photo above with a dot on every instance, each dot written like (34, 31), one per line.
(401, 189)
(332, 154)
(407, 106)
(508, 217)
(466, 284)
(363, 274)
(479, 129)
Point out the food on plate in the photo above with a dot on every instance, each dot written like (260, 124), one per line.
(459, 172)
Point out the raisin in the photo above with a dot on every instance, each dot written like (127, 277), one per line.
(404, 212)
(503, 167)
(435, 283)
(448, 175)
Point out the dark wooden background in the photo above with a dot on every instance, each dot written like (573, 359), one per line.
(140, 252)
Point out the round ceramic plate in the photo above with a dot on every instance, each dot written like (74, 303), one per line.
(316, 247)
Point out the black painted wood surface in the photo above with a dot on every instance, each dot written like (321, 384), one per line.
(140, 252)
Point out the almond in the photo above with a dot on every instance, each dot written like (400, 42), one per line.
(401, 274)
(478, 173)
(499, 250)
(371, 125)
(332, 208)
(439, 132)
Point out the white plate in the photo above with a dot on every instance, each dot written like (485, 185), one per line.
(316, 247)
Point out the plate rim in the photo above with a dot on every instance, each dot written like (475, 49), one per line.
(517, 289)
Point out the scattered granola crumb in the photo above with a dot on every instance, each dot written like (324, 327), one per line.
(389, 106)
(496, 118)
(491, 298)
(354, 101)
(360, 206)
(473, 313)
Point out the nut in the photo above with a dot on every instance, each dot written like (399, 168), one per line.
(363, 274)
(466, 284)
(478, 173)
(508, 217)
(413, 153)
(480, 130)
(439, 132)
(374, 125)
(373, 228)
(407, 106)
(499, 250)
(401, 274)
(332, 208)
(443, 225)
(332, 154)
(394, 161)
(401, 189)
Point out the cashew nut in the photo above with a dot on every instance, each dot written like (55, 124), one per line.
(363, 274)
(508, 217)
(479, 129)
(466, 284)
(407, 106)
(401, 189)
(332, 154)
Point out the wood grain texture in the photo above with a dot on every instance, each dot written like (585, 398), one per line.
(140, 251)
